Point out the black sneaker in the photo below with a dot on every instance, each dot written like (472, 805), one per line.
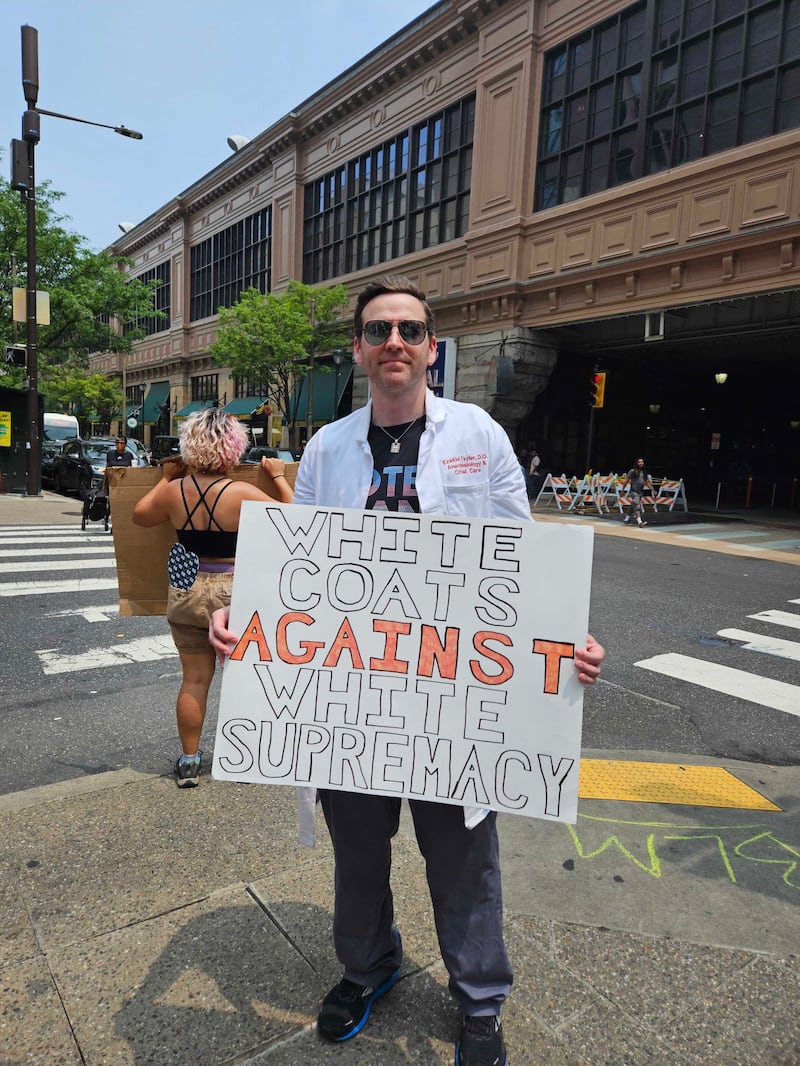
(481, 1042)
(345, 1009)
(187, 772)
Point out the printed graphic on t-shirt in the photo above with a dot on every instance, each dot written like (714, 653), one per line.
(394, 473)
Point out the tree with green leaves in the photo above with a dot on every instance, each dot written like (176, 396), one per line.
(92, 397)
(91, 298)
(274, 339)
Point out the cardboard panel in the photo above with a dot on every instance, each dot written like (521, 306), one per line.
(142, 553)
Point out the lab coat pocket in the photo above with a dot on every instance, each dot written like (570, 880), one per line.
(471, 499)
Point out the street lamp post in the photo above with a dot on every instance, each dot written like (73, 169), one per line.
(311, 353)
(338, 359)
(23, 178)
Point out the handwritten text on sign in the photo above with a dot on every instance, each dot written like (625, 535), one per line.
(407, 655)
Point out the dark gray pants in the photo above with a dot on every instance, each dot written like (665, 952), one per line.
(635, 509)
(463, 870)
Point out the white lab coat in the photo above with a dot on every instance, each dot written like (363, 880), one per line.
(466, 466)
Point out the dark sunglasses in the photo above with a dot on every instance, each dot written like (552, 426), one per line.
(379, 331)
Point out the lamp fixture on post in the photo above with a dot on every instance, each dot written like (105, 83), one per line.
(23, 179)
(126, 227)
(654, 408)
(721, 377)
(237, 141)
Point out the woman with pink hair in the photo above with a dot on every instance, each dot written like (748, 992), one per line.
(201, 501)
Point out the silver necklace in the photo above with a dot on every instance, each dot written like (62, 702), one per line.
(395, 446)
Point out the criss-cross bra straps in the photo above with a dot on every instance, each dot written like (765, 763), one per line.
(189, 523)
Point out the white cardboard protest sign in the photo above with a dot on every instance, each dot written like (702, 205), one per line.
(425, 656)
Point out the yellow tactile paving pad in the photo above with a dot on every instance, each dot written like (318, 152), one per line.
(655, 782)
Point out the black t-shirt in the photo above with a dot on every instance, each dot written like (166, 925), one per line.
(394, 474)
(116, 458)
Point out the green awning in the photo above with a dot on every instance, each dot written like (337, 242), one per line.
(190, 408)
(158, 394)
(131, 409)
(323, 398)
(244, 406)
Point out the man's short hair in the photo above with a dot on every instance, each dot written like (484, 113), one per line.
(385, 284)
(121, 440)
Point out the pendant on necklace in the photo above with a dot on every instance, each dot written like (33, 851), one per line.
(395, 447)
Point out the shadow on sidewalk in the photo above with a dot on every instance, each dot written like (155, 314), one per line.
(236, 980)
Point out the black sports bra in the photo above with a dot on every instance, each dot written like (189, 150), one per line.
(208, 543)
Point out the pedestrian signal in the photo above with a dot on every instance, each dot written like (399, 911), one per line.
(16, 355)
(598, 389)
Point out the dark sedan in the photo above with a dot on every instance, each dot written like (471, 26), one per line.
(254, 455)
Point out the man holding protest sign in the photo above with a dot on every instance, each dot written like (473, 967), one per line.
(410, 451)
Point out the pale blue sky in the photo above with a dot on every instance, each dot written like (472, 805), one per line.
(187, 73)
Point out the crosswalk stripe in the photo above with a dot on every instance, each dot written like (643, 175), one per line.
(79, 538)
(786, 649)
(90, 614)
(779, 618)
(734, 534)
(40, 531)
(44, 566)
(694, 526)
(745, 686)
(772, 545)
(51, 588)
(87, 549)
(143, 650)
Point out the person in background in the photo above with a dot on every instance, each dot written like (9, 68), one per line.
(639, 482)
(120, 456)
(202, 502)
(399, 454)
(534, 473)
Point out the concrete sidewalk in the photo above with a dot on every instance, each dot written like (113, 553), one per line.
(49, 509)
(143, 924)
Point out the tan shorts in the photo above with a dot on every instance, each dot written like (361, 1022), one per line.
(189, 610)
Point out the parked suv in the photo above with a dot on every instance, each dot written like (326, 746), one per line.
(163, 447)
(80, 465)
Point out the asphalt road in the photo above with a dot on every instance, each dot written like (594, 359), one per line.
(649, 599)
(73, 701)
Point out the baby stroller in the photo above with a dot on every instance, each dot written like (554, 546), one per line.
(95, 507)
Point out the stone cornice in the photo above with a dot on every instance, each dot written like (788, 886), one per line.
(425, 40)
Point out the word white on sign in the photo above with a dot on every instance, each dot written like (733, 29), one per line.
(423, 656)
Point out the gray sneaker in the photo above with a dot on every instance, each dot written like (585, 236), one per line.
(187, 772)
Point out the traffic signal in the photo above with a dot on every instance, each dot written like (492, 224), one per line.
(16, 355)
(598, 392)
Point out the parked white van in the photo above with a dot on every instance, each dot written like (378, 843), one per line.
(58, 428)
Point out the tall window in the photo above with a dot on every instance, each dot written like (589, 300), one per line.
(162, 300)
(225, 265)
(409, 193)
(662, 83)
(243, 387)
(205, 387)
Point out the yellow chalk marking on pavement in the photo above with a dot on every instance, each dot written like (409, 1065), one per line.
(655, 782)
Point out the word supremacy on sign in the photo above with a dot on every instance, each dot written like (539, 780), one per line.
(423, 656)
